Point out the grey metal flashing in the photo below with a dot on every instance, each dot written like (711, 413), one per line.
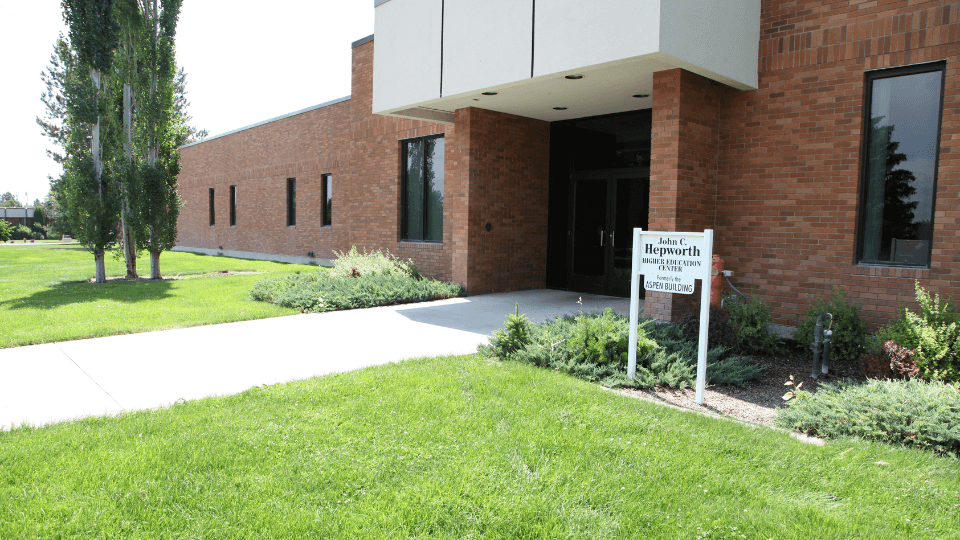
(378, 2)
(361, 41)
(281, 117)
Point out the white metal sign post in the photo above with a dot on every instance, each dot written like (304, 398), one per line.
(672, 262)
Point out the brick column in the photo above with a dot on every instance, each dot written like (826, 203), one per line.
(685, 153)
(498, 175)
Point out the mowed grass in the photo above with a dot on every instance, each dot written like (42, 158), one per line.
(457, 447)
(45, 294)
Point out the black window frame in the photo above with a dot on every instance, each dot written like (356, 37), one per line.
(404, 235)
(326, 199)
(291, 202)
(869, 78)
(233, 206)
(213, 213)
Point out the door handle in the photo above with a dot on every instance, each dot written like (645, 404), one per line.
(613, 238)
(601, 237)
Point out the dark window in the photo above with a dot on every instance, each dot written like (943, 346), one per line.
(213, 216)
(423, 189)
(899, 165)
(327, 197)
(233, 205)
(291, 202)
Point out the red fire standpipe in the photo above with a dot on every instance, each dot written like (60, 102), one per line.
(716, 286)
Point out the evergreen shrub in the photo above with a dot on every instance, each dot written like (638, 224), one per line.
(6, 230)
(317, 291)
(720, 331)
(594, 347)
(751, 322)
(908, 413)
(849, 339)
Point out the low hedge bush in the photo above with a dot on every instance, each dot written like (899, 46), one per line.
(751, 322)
(317, 291)
(20, 232)
(908, 413)
(849, 331)
(594, 347)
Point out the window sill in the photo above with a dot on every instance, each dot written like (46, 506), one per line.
(901, 272)
(421, 245)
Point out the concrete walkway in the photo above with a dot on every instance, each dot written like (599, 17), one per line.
(40, 384)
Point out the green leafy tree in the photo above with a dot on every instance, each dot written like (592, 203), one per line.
(5, 230)
(9, 200)
(90, 188)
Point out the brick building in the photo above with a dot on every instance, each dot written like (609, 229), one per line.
(17, 216)
(513, 144)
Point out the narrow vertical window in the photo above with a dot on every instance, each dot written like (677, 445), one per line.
(423, 189)
(233, 205)
(327, 197)
(899, 165)
(291, 202)
(213, 214)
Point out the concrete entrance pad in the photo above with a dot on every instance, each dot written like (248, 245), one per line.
(41, 384)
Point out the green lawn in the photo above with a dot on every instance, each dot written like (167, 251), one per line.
(457, 447)
(45, 295)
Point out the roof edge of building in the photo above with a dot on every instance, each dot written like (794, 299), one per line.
(361, 41)
(281, 117)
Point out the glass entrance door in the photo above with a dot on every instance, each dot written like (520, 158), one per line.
(605, 208)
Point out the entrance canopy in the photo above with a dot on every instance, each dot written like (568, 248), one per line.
(553, 59)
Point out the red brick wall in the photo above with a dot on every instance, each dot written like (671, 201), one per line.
(789, 159)
(498, 173)
(360, 150)
(684, 167)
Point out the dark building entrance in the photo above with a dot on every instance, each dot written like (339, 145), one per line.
(599, 192)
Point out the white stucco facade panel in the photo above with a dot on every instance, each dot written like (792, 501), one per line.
(570, 34)
(406, 62)
(485, 43)
(722, 37)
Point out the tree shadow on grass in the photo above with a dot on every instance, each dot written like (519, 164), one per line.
(75, 292)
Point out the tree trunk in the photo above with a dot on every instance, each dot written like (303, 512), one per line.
(155, 264)
(101, 276)
(129, 242)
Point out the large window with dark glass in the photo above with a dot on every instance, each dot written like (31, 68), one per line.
(423, 189)
(899, 165)
(327, 197)
(291, 202)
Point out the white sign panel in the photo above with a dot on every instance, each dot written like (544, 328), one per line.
(671, 263)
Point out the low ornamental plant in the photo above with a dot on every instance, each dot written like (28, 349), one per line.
(353, 263)
(750, 318)
(595, 346)
(849, 339)
(907, 413)
(931, 334)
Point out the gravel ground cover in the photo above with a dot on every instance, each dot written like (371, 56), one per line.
(755, 402)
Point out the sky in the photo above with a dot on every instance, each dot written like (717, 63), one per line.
(244, 64)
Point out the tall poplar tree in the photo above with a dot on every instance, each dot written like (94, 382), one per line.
(89, 185)
(160, 127)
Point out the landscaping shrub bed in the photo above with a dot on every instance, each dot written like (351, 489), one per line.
(908, 413)
(594, 346)
(316, 292)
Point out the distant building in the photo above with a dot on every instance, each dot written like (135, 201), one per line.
(17, 216)
(514, 144)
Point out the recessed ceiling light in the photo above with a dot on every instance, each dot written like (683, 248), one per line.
(641, 95)
(489, 93)
(559, 108)
(574, 77)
